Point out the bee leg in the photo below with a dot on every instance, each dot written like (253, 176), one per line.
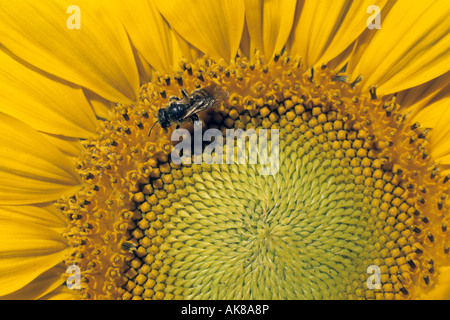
(173, 98)
(184, 93)
(194, 118)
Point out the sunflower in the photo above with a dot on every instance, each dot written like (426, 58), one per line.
(358, 208)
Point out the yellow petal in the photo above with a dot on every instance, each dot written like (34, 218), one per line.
(366, 36)
(213, 26)
(323, 30)
(70, 147)
(97, 56)
(148, 31)
(415, 100)
(269, 24)
(440, 135)
(246, 47)
(353, 24)
(61, 293)
(32, 96)
(429, 105)
(32, 170)
(411, 48)
(101, 106)
(183, 49)
(44, 285)
(27, 251)
(146, 71)
(43, 215)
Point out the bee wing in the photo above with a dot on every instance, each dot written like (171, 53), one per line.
(215, 97)
(216, 92)
(220, 96)
(197, 107)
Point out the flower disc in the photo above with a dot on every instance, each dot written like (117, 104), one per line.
(352, 206)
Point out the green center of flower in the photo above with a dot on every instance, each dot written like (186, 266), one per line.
(298, 234)
(354, 191)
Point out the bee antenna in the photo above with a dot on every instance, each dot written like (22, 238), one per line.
(151, 128)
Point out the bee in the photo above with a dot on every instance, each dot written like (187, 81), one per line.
(180, 110)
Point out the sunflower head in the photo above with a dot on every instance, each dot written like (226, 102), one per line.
(341, 202)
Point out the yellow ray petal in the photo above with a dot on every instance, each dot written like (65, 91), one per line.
(269, 24)
(323, 30)
(246, 47)
(440, 135)
(353, 24)
(415, 100)
(97, 56)
(213, 26)
(429, 104)
(148, 31)
(146, 71)
(43, 215)
(45, 284)
(101, 106)
(183, 49)
(27, 251)
(32, 97)
(70, 147)
(365, 38)
(60, 293)
(340, 62)
(32, 170)
(411, 48)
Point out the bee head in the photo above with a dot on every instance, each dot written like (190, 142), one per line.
(163, 118)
